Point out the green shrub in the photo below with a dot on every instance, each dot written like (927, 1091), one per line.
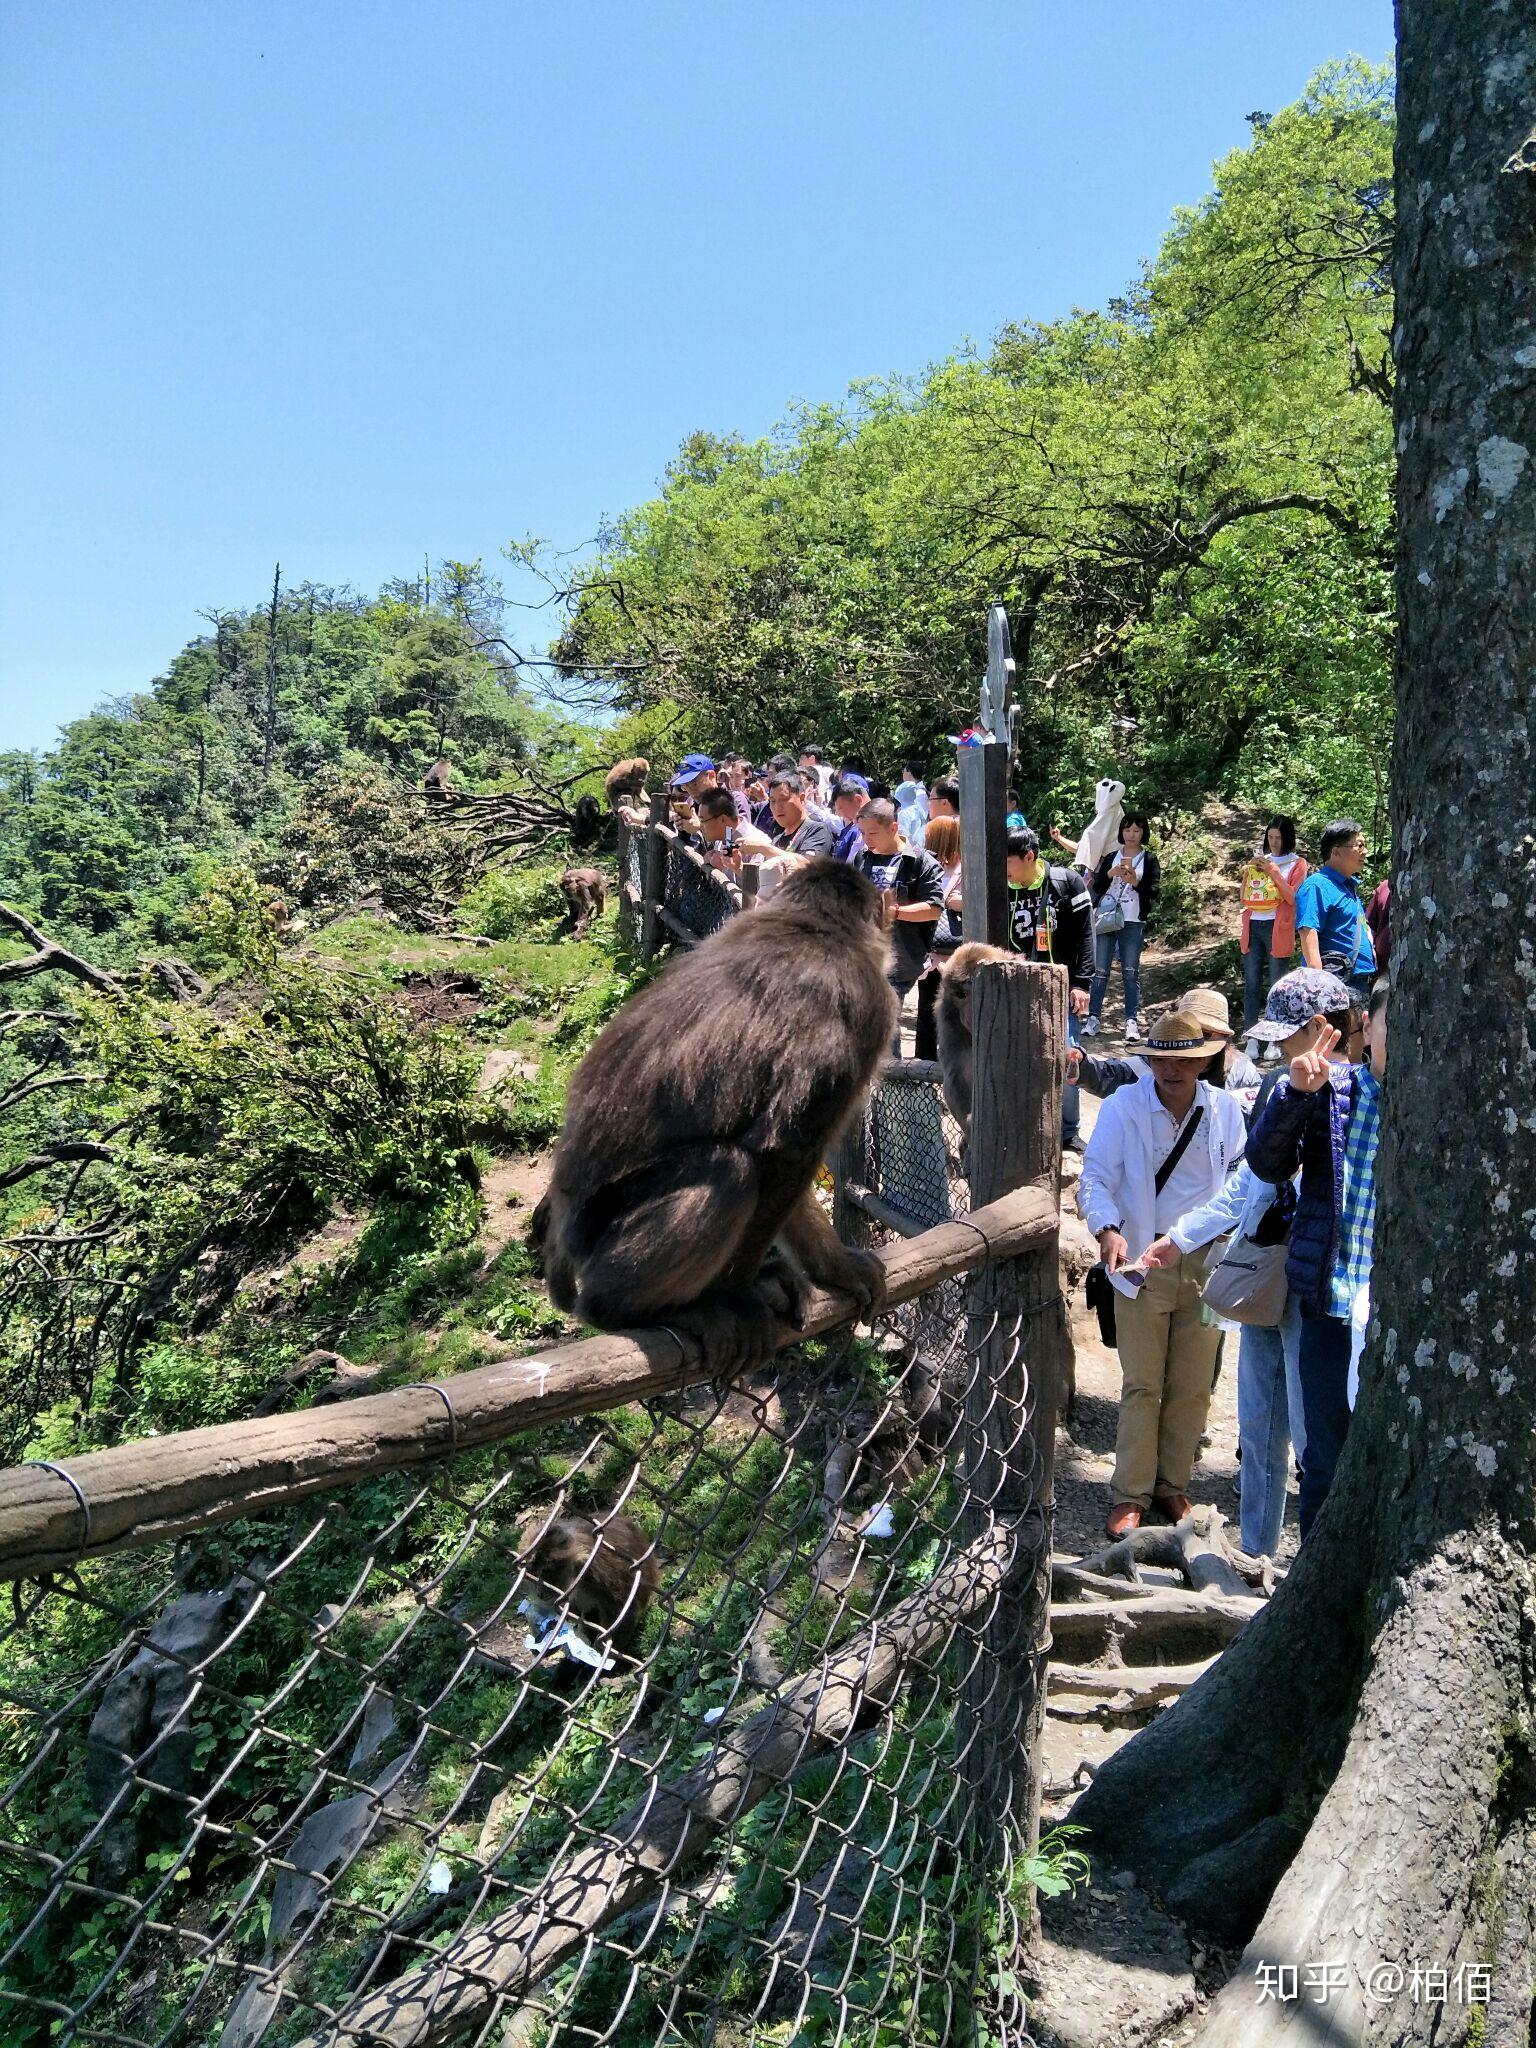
(515, 903)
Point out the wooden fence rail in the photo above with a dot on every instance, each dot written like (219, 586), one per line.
(52, 1516)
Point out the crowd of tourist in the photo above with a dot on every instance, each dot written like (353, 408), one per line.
(1224, 1198)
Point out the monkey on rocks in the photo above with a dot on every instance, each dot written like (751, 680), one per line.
(603, 1571)
(957, 1048)
(585, 894)
(625, 781)
(694, 1128)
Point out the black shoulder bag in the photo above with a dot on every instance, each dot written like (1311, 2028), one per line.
(1098, 1291)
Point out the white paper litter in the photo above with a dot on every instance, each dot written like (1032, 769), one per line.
(555, 1634)
(879, 1521)
(439, 1877)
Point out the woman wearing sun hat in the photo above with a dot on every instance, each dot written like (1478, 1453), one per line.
(1160, 1148)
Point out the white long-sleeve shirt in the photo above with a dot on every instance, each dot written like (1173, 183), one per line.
(1132, 1137)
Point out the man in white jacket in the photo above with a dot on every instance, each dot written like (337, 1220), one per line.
(1159, 1149)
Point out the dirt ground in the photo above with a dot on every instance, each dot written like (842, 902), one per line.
(1114, 1970)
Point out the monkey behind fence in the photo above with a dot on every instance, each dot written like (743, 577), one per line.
(585, 894)
(957, 1048)
(602, 1570)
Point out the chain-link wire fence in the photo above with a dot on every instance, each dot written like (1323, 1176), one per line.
(700, 900)
(699, 1720)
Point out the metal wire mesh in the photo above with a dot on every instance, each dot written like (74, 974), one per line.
(695, 895)
(915, 1149)
(319, 1775)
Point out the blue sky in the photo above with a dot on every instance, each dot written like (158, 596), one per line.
(345, 284)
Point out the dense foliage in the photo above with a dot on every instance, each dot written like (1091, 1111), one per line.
(1183, 498)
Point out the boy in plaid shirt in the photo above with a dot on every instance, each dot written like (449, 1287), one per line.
(1325, 1119)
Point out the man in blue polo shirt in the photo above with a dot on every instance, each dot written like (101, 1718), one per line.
(849, 796)
(1330, 918)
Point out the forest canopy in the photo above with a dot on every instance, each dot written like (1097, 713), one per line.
(1183, 498)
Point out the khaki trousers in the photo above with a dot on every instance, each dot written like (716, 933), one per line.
(1167, 1357)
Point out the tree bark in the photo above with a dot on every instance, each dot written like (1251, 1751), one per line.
(1351, 1789)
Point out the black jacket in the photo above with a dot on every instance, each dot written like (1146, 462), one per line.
(1146, 889)
(1063, 897)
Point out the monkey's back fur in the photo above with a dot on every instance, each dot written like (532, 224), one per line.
(957, 1047)
(697, 1121)
(625, 779)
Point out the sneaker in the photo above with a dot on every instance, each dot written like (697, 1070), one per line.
(1090, 1027)
(1132, 1031)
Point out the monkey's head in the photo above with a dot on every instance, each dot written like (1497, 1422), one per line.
(960, 967)
(828, 893)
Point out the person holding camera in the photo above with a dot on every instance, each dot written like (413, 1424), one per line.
(1124, 887)
(723, 839)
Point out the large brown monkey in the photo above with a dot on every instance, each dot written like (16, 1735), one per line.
(957, 1049)
(585, 894)
(696, 1124)
(625, 781)
(604, 1571)
(437, 780)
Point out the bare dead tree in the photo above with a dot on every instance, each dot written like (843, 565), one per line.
(48, 956)
(269, 735)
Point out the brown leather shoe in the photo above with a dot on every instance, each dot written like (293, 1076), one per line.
(1124, 1516)
(1174, 1505)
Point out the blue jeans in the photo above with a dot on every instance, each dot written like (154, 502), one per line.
(1070, 1111)
(1269, 1420)
(1324, 1361)
(1127, 944)
(1258, 969)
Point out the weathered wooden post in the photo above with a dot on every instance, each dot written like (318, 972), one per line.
(984, 797)
(653, 876)
(1017, 1349)
(625, 920)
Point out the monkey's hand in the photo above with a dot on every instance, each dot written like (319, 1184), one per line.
(864, 1279)
(783, 1286)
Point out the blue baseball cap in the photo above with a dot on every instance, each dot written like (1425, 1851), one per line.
(693, 765)
(857, 782)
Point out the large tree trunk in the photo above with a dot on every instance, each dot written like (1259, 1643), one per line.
(1351, 1790)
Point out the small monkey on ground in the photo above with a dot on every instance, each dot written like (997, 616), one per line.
(695, 1126)
(625, 781)
(957, 1048)
(585, 893)
(602, 1570)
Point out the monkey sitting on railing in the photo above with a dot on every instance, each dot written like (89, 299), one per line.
(695, 1127)
(625, 781)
